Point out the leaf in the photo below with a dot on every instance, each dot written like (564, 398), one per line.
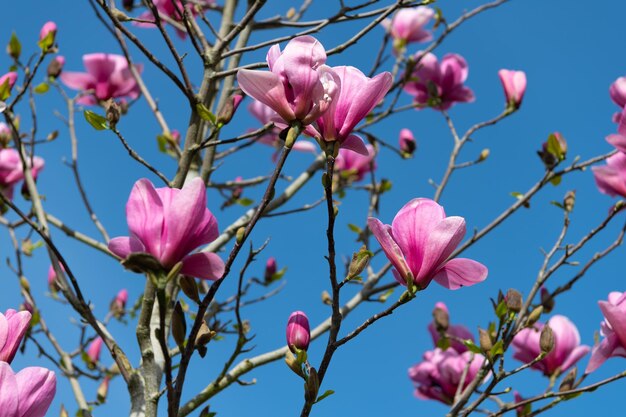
(245, 202)
(383, 297)
(501, 309)
(471, 346)
(497, 349)
(324, 395)
(161, 142)
(205, 114)
(95, 120)
(443, 343)
(556, 180)
(559, 205)
(48, 41)
(14, 48)
(42, 88)
(356, 229)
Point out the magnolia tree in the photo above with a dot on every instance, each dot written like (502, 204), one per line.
(183, 330)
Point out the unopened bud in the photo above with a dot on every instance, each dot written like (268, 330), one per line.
(569, 200)
(47, 35)
(298, 331)
(514, 300)
(14, 48)
(326, 298)
(441, 318)
(485, 340)
(359, 262)
(179, 325)
(241, 232)
(569, 381)
(228, 111)
(407, 143)
(118, 305)
(103, 389)
(553, 150)
(546, 340)
(63, 412)
(270, 269)
(534, 316)
(547, 301)
(113, 112)
(189, 287)
(484, 154)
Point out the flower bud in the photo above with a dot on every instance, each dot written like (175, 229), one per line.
(113, 112)
(514, 300)
(569, 200)
(553, 150)
(48, 30)
(93, 351)
(270, 269)
(55, 67)
(228, 111)
(484, 154)
(441, 318)
(485, 340)
(407, 142)
(53, 282)
(298, 331)
(359, 262)
(14, 48)
(7, 81)
(546, 300)
(546, 340)
(118, 305)
(534, 316)
(569, 380)
(103, 389)
(514, 85)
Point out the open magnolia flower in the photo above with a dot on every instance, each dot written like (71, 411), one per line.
(27, 393)
(419, 242)
(12, 171)
(354, 166)
(169, 224)
(613, 328)
(172, 10)
(298, 85)
(13, 326)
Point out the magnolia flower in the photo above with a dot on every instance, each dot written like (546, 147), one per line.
(108, 76)
(439, 85)
(298, 331)
(55, 67)
(94, 349)
(27, 393)
(617, 91)
(169, 224)
(13, 327)
(514, 84)
(7, 81)
(358, 95)
(47, 29)
(613, 328)
(457, 331)
(438, 376)
(408, 24)
(419, 242)
(298, 85)
(119, 302)
(354, 166)
(265, 115)
(567, 348)
(406, 141)
(270, 269)
(172, 10)
(611, 178)
(12, 171)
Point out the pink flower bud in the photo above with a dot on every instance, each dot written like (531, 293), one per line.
(514, 84)
(229, 109)
(270, 269)
(408, 24)
(94, 349)
(120, 299)
(617, 91)
(10, 78)
(407, 142)
(47, 29)
(53, 284)
(13, 327)
(56, 66)
(298, 331)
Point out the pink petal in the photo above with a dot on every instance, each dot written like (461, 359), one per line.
(461, 272)
(616, 318)
(36, 388)
(389, 246)
(602, 352)
(4, 331)
(305, 146)
(124, 246)
(267, 88)
(78, 80)
(144, 214)
(577, 354)
(101, 65)
(204, 265)
(618, 141)
(18, 323)
(9, 398)
(355, 144)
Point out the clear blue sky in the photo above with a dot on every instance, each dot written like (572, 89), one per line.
(571, 54)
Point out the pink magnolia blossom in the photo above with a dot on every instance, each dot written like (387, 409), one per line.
(567, 348)
(270, 268)
(265, 115)
(94, 349)
(171, 10)
(419, 242)
(514, 84)
(53, 284)
(27, 393)
(457, 331)
(108, 76)
(617, 91)
(407, 25)
(46, 29)
(13, 327)
(169, 224)
(121, 298)
(350, 164)
(9, 78)
(298, 85)
(611, 178)
(438, 376)
(358, 95)
(439, 85)
(298, 331)
(613, 328)
(12, 171)
(406, 141)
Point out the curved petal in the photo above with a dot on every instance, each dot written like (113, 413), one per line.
(125, 245)
(204, 265)
(602, 352)
(618, 141)
(144, 214)
(461, 272)
(78, 80)
(36, 388)
(440, 243)
(389, 246)
(18, 323)
(355, 144)
(305, 146)
(616, 318)
(4, 332)
(9, 401)
(101, 66)
(267, 88)
(576, 355)
(609, 180)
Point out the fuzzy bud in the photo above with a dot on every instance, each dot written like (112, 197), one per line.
(546, 340)
(546, 300)
(569, 381)
(514, 300)
(55, 67)
(569, 200)
(485, 340)
(228, 111)
(441, 318)
(113, 112)
(534, 316)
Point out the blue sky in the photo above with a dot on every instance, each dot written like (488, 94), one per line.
(570, 54)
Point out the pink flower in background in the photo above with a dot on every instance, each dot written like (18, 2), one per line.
(94, 349)
(298, 331)
(407, 25)
(419, 242)
(108, 76)
(406, 141)
(514, 84)
(438, 376)
(611, 178)
(55, 68)
(169, 224)
(617, 91)
(613, 328)
(27, 393)
(298, 85)
(121, 298)
(12, 172)
(439, 85)
(457, 331)
(53, 284)
(358, 95)
(13, 327)
(355, 166)
(270, 268)
(9, 78)
(46, 29)
(265, 115)
(567, 348)
(171, 10)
